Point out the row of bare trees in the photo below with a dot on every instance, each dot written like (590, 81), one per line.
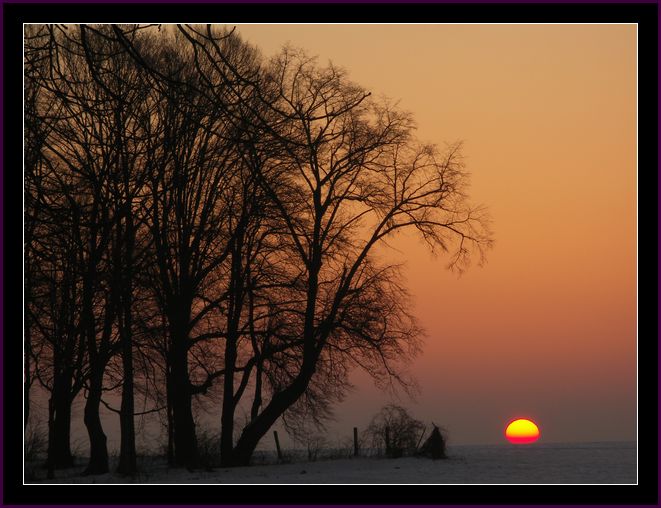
(199, 219)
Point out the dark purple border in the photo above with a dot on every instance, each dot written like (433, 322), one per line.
(2, 192)
(340, 1)
(2, 250)
(658, 376)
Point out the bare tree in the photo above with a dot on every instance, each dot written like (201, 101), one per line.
(394, 431)
(34, 132)
(195, 230)
(344, 173)
(197, 215)
(52, 277)
(92, 149)
(81, 149)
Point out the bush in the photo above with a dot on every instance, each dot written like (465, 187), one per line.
(315, 443)
(394, 432)
(208, 448)
(36, 441)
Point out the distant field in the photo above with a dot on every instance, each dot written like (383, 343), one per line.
(540, 463)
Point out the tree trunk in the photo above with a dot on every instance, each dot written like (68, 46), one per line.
(227, 416)
(98, 462)
(59, 449)
(258, 428)
(185, 441)
(62, 433)
(229, 405)
(281, 401)
(170, 416)
(257, 400)
(127, 455)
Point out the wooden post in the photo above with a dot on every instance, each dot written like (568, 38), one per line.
(277, 445)
(355, 441)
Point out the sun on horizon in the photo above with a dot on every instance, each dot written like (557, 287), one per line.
(522, 431)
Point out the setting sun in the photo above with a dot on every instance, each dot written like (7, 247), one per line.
(522, 431)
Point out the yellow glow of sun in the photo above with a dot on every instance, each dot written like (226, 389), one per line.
(522, 431)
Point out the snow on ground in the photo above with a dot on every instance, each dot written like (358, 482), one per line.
(538, 463)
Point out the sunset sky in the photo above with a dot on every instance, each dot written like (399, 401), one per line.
(547, 328)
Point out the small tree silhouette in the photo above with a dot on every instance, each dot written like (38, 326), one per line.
(395, 431)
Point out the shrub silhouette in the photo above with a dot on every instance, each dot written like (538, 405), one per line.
(394, 431)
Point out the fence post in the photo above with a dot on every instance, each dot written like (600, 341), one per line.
(277, 445)
(355, 441)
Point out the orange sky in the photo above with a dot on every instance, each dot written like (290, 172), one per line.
(547, 329)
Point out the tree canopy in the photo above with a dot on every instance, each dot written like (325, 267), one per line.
(201, 220)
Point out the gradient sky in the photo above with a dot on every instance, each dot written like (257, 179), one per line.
(547, 329)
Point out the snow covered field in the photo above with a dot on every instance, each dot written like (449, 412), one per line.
(539, 463)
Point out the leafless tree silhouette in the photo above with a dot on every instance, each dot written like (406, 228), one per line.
(199, 218)
(394, 431)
